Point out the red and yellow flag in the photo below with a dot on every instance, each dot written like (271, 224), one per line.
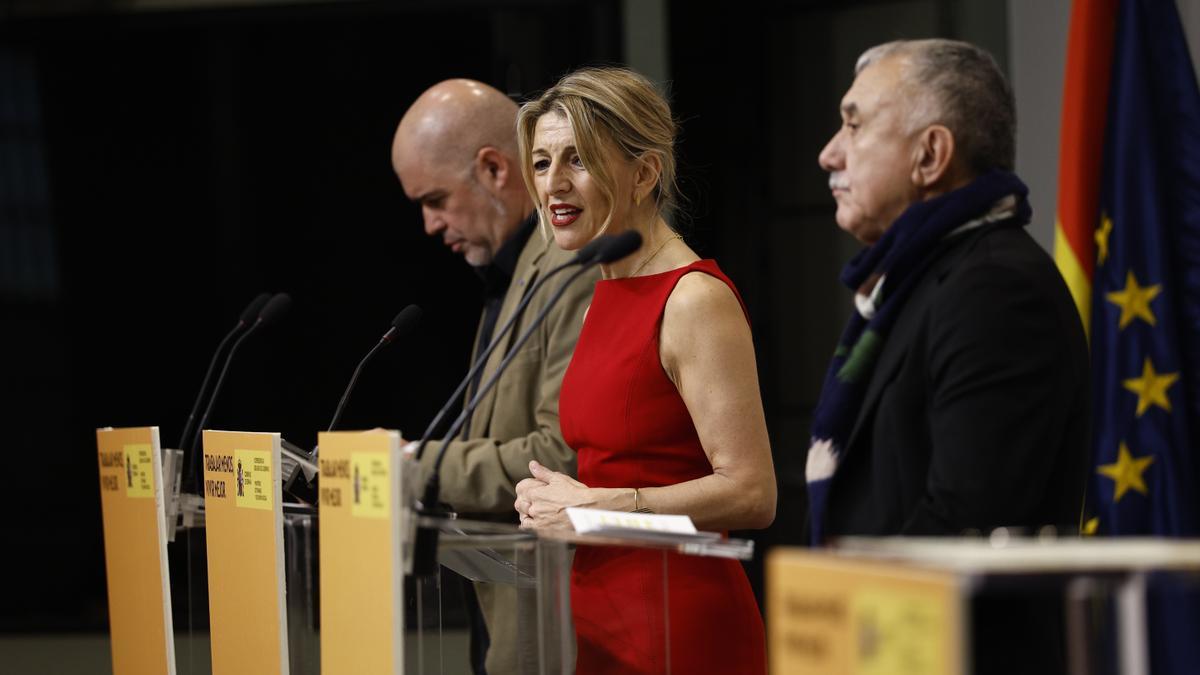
(1081, 146)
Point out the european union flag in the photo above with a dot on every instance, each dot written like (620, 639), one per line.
(1145, 329)
(1146, 290)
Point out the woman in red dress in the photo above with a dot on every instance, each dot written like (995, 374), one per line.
(661, 398)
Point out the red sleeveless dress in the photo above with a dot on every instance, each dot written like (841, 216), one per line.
(625, 418)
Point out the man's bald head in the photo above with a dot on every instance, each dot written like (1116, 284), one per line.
(455, 153)
(452, 120)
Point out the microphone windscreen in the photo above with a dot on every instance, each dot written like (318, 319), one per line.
(585, 255)
(406, 320)
(618, 246)
(275, 308)
(254, 308)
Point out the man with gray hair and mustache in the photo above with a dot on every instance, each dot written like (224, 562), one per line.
(957, 399)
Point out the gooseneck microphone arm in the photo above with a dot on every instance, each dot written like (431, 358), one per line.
(274, 308)
(221, 380)
(301, 483)
(482, 359)
(425, 544)
(583, 257)
(337, 414)
(212, 365)
(248, 316)
(404, 322)
(433, 487)
(603, 250)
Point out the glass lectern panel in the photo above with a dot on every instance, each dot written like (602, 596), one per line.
(302, 596)
(187, 556)
(188, 567)
(494, 575)
(530, 574)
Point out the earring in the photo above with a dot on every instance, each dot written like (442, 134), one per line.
(637, 199)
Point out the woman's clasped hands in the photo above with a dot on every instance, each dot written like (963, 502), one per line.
(542, 500)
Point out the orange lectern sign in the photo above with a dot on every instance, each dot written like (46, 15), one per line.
(361, 581)
(135, 551)
(833, 615)
(244, 517)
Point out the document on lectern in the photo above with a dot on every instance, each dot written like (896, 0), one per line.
(650, 526)
(362, 612)
(243, 509)
(135, 551)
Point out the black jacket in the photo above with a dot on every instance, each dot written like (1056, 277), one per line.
(977, 413)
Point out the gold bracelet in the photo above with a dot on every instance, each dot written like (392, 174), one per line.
(636, 509)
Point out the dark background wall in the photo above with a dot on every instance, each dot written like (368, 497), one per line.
(159, 168)
(165, 167)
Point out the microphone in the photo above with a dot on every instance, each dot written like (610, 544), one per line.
(271, 312)
(613, 247)
(608, 249)
(584, 255)
(301, 483)
(402, 325)
(249, 314)
(601, 250)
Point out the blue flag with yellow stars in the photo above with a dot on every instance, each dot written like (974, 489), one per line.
(1146, 291)
(1145, 327)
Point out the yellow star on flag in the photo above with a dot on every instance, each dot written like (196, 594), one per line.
(1091, 527)
(1134, 301)
(1151, 388)
(1102, 232)
(1127, 472)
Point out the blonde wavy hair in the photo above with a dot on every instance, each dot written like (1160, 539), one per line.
(613, 107)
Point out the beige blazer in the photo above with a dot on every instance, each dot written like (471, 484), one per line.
(516, 422)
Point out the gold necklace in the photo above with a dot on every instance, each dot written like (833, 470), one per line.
(651, 256)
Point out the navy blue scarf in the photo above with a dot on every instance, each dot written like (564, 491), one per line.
(893, 265)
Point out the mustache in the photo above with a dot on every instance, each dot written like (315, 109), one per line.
(837, 181)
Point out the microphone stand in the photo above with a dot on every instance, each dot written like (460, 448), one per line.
(301, 482)
(425, 544)
(483, 357)
(589, 254)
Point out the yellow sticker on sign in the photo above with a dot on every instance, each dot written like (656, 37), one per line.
(899, 632)
(254, 486)
(370, 484)
(139, 470)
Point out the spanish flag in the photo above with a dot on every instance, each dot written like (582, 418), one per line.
(1081, 144)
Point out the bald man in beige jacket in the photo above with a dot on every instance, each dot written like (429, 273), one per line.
(455, 153)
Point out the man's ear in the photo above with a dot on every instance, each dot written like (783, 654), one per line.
(492, 168)
(935, 157)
